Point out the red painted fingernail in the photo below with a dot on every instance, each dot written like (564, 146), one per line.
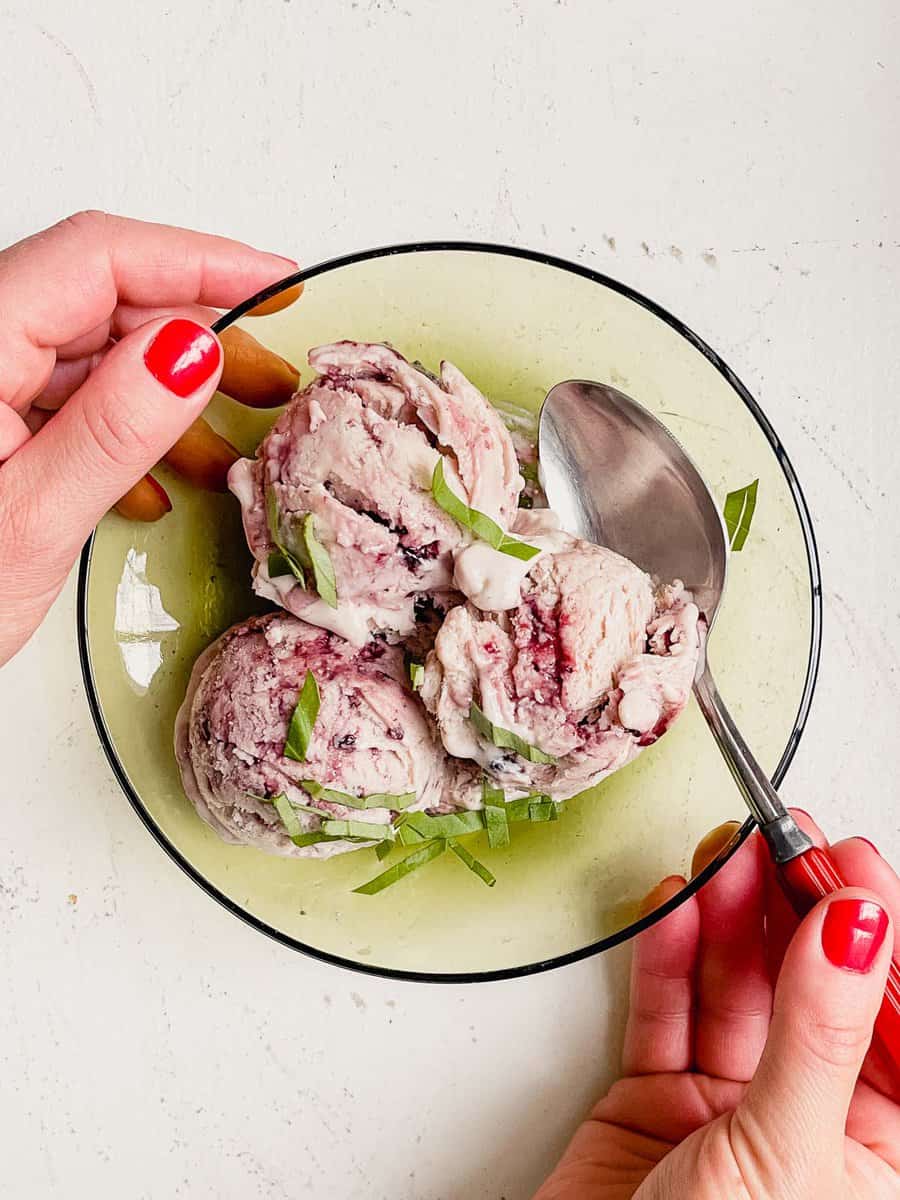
(852, 933)
(871, 845)
(182, 356)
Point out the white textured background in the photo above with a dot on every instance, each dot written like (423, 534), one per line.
(739, 164)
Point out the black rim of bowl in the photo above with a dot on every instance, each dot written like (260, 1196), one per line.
(740, 836)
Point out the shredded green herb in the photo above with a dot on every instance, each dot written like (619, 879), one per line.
(281, 561)
(495, 816)
(479, 523)
(505, 739)
(416, 674)
(471, 862)
(396, 803)
(383, 849)
(739, 509)
(446, 825)
(366, 831)
(320, 560)
(303, 720)
(406, 866)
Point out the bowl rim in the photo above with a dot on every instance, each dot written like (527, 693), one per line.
(803, 708)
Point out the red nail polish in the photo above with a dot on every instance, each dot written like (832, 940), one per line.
(852, 933)
(871, 845)
(182, 356)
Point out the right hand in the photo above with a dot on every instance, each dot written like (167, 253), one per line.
(738, 1087)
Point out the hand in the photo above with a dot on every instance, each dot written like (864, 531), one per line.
(98, 381)
(727, 1095)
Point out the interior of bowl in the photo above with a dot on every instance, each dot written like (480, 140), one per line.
(152, 596)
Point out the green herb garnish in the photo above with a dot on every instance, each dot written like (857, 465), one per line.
(471, 862)
(739, 509)
(479, 523)
(495, 816)
(366, 831)
(383, 849)
(288, 817)
(416, 674)
(505, 739)
(281, 561)
(446, 825)
(400, 870)
(396, 803)
(320, 561)
(529, 471)
(303, 720)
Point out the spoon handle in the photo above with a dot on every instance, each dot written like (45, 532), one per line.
(805, 880)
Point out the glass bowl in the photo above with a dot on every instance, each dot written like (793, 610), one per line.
(152, 596)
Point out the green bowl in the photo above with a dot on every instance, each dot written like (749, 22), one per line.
(152, 596)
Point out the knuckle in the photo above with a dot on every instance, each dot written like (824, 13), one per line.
(87, 220)
(115, 434)
(839, 1045)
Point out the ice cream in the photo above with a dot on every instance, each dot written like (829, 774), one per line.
(357, 449)
(371, 735)
(593, 665)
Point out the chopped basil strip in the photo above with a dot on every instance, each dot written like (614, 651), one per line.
(416, 674)
(447, 825)
(383, 849)
(396, 803)
(303, 720)
(529, 471)
(285, 810)
(505, 739)
(322, 568)
(739, 509)
(366, 830)
(495, 816)
(480, 524)
(471, 862)
(281, 560)
(406, 866)
(407, 836)
(542, 810)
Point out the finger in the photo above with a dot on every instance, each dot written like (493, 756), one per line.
(276, 303)
(14, 432)
(127, 414)
(734, 992)
(659, 1031)
(712, 845)
(88, 343)
(66, 378)
(781, 920)
(861, 865)
(203, 457)
(874, 1122)
(828, 994)
(253, 374)
(147, 500)
(65, 281)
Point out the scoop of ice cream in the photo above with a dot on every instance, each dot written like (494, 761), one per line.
(591, 666)
(357, 449)
(370, 736)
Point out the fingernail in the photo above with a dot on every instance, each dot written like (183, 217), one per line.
(182, 356)
(801, 811)
(871, 845)
(664, 890)
(852, 933)
(712, 845)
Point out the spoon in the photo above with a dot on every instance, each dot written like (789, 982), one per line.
(617, 477)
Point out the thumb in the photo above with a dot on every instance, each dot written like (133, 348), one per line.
(145, 392)
(793, 1116)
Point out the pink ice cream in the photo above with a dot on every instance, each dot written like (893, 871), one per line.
(371, 734)
(357, 449)
(593, 665)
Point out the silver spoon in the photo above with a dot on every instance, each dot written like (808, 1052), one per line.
(617, 477)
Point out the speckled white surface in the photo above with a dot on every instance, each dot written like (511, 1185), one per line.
(737, 163)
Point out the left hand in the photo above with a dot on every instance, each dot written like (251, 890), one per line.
(98, 381)
(734, 1089)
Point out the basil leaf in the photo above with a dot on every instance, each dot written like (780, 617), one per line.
(495, 817)
(282, 562)
(407, 836)
(303, 720)
(542, 810)
(471, 862)
(396, 803)
(470, 518)
(383, 849)
(739, 509)
(400, 870)
(322, 567)
(289, 820)
(447, 825)
(416, 674)
(505, 739)
(365, 830)
(529, 471)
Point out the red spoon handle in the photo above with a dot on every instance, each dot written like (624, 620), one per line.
(805, 880)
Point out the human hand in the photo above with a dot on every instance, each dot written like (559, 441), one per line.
(105, 361)
(731, 1092)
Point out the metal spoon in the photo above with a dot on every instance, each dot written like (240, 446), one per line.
(617, 477)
